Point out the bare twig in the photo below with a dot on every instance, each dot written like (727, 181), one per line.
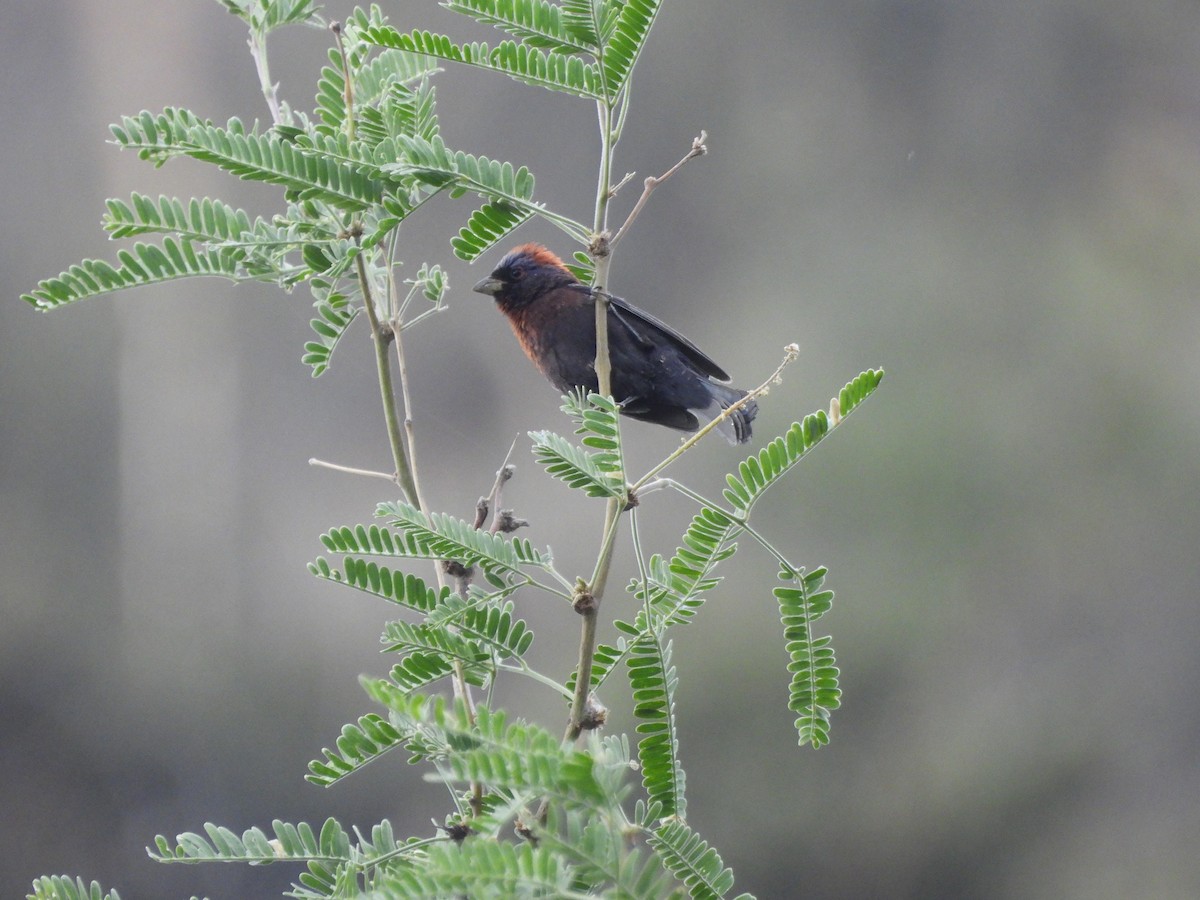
(612, 191)
(350, 470)
(648, 186)
(790, 354)
(503, 475)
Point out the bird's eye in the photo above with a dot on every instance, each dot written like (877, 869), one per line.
(516, 275)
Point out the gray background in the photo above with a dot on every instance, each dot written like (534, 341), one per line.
(998, 202)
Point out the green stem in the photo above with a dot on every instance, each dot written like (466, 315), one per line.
(612, 511)
(258, 50)
(383, 368)
(742, 521)
(526, 670)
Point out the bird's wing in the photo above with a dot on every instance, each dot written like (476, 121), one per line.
(648, 330)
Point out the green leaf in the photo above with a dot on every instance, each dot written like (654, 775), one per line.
(418, 670)
(389, 79)
(588, 472)
(401, 112)
(605, 660)
(677, 588)
(653, 680)
(765, 468)
(493, 625)
(260, 247)
(482, 868)
(392, 585)
(357, 746)
(431, 652)
(371, 540)
(625, 45)
(250, 156)
(448, 537)
(814, 691)
(582, 267)
(200, 219)
(522, 758)
(690, 859)
(488, 226)
(291, 842)
(62, 887)
(507, 190)
(145, 264)
(265, 16)
(554, 70)
(438, 166)
(597, 418)
(606, 864)
(538, 23)
(334, 316)
(422, 721)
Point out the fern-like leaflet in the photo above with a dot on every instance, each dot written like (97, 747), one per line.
(690, 859)
(814, 690)
(763, 469)
(653, 681)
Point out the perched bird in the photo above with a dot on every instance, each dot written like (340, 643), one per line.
(658, 375)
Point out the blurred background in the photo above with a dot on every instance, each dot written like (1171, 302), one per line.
(997, 202)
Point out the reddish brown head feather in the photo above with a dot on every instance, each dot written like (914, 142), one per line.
(539, 255)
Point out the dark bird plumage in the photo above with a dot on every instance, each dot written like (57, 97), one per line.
(658, 375)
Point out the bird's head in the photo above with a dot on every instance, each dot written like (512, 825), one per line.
(525, 275)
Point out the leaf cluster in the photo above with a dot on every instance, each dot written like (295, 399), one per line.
(368, 157)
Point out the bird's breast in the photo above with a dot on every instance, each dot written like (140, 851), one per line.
(559, 338)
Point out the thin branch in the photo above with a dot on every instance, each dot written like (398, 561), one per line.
(648, 186)
(791, 354)
(350, 470)
(525, 669)
(409, 428)
(270, 90)
(383, 367)
(742, 521)
(612, 191)
(588, 596)
(503, 475)
(623, 100)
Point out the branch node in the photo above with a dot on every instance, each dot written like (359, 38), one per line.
(583, 601)
(525, 831)
(455, 569)
(595, 714)
(600, 246)
(481, 512)
(456, 831)
(508, 523)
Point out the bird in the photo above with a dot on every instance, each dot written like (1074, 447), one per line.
(658, 375)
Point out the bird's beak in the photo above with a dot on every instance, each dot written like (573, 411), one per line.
(489, 285)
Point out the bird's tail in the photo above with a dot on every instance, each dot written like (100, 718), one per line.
(736, 428)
